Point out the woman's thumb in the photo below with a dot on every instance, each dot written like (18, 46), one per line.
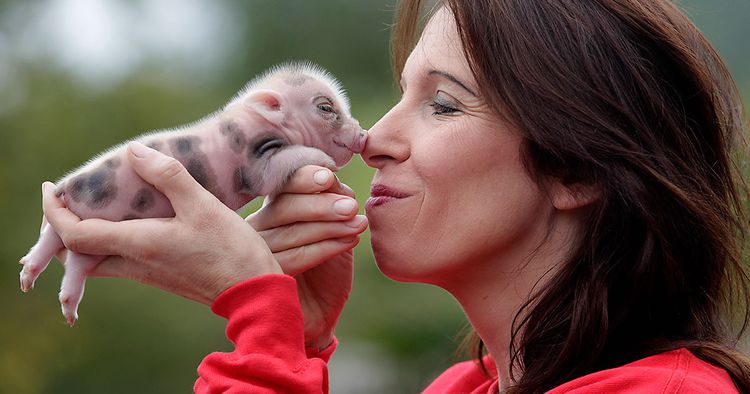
(165, 173)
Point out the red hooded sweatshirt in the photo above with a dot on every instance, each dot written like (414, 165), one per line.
(265, 325)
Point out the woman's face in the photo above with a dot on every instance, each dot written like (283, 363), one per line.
(451, 199)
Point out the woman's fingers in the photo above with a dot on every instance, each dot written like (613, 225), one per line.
(315, 179)
(119, 267)
(171, 281)
(130, 238)
(298, 260)
(312, 194)
(299, 234)
(292, 208)
(55, 211)
(112, 267)
(168, 176)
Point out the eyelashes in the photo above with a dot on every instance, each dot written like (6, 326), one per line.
(442, 107)
(325, 107)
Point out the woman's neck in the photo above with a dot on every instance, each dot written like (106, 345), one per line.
(491, 310)
(492, 294)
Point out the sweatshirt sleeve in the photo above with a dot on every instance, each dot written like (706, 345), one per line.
(265, 325)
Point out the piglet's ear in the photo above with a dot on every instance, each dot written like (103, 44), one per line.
(268, 104)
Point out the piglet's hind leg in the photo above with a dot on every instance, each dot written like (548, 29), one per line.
(77, 267)
(38, 258)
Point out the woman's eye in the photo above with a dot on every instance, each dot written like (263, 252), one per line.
(442, 108)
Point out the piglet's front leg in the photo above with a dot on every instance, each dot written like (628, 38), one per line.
(77, 267)
(285, 162)
(38, 258)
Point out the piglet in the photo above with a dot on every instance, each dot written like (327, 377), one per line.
(293, 115)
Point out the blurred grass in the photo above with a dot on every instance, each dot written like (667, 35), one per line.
(132, 338)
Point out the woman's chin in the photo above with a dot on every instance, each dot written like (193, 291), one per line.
(388, 263)
(400, 268)
(396, 273)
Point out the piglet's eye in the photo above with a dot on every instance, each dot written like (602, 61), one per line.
(325, 108)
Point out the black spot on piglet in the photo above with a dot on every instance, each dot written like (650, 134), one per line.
(182, 146)
(242, 181)
(197, 171)
(96, 188)
(297, 80)
(143, 200)
(76, 188)
(155, 145)
(236, 139)
(113, 163)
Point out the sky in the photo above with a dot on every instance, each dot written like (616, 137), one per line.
(101, 41)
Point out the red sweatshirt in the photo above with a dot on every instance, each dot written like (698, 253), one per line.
(265, 325)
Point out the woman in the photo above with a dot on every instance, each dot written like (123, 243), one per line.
(562, 168)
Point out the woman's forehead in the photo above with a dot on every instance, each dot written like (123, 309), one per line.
(439, 48)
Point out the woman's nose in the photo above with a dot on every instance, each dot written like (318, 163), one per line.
(387, 141)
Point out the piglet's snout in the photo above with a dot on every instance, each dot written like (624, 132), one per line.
(358, 143)
(357, 136)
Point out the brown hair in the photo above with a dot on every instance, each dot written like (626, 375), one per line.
(629, 97)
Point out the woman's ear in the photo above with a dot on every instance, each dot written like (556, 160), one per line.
(572, 195)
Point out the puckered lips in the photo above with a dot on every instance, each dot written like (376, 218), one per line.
(381, 194)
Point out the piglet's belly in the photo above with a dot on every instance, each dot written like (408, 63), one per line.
(142, 201)
(113, 191)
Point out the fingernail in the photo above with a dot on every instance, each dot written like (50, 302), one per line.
(345, 206)
(321, 177)
(139, 150)
(356, 221)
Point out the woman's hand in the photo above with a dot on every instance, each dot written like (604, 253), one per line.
(313, 223)
(203, 250)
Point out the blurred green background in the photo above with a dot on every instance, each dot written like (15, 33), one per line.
(77, 76)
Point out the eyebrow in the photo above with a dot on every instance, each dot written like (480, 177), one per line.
(453, 79)
(322, 95)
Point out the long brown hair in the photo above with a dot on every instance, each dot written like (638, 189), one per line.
(626, 96)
